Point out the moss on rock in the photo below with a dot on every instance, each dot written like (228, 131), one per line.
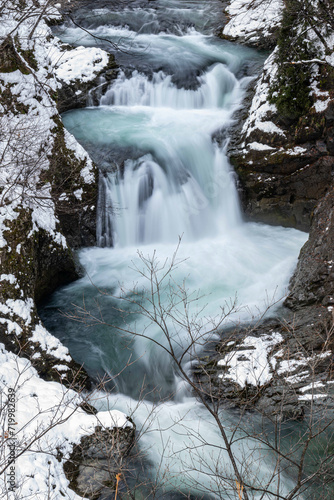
(290, 91)
(77, 215)
(9, 59)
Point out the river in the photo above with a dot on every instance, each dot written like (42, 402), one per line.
(159, 136)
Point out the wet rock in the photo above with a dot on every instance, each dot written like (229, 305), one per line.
(97, 459)
(284, 168)
(9, 59)
(75, 199)
(283, 185)
(313, 280)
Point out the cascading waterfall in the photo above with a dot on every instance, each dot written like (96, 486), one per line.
(215, 88)
(164, 175)
(184, 185)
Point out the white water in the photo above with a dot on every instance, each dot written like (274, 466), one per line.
(175, 180)
(183, 185)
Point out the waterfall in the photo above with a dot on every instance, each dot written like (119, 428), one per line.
(165, 174)
(183, 184)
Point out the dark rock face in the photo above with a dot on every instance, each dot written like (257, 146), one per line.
(281, 189)
(95, 462)
(313, 280)
(283, 185)
(284, 173)
(77, 215)
(37, 261)
(39, 265)
(51, 270)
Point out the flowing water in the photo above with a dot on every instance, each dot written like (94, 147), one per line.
(165, 174)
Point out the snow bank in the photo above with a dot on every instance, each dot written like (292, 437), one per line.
(260, 110)
(256, 362)
(251, 20)
(81, 63)
(48, 422)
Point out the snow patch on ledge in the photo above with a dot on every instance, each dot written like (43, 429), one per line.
(43, 217)
(322, 98)
(257, 146)
(249, 363)
(49, 343)
(87, 171)
(21, 308)
(288, 366)
(296, 151)
(81, 63)
(8, 277)
(251, 19)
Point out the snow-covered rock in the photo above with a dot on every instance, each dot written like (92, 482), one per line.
(47, 186)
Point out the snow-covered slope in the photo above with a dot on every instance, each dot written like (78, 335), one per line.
(40, 420)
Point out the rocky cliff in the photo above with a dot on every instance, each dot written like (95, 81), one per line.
(283, 155)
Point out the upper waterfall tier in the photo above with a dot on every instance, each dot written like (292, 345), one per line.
(180, 182)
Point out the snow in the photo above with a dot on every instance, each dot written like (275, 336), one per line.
(49, 343)
(7, 213)
(251, 19)
(12, 326)
(257, 146)
(43, 217)
(311, 387)
(78, 194)
(288, 366)
(81, 63)
(48, 418)
(22, 308)
(330, 59)
(8, 277)
(87, 172)
(260, 108)
(297, 150)
(249, 363)
(30, 113)
(50, 406)
(322, 97)
(253, 362)
(62, 368)
(295, 379)
(311, 397)
(33, 90)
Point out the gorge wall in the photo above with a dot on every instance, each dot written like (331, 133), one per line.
(283, 155)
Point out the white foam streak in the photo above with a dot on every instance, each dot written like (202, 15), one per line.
(215, 90)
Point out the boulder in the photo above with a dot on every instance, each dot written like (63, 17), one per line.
(94, 462)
